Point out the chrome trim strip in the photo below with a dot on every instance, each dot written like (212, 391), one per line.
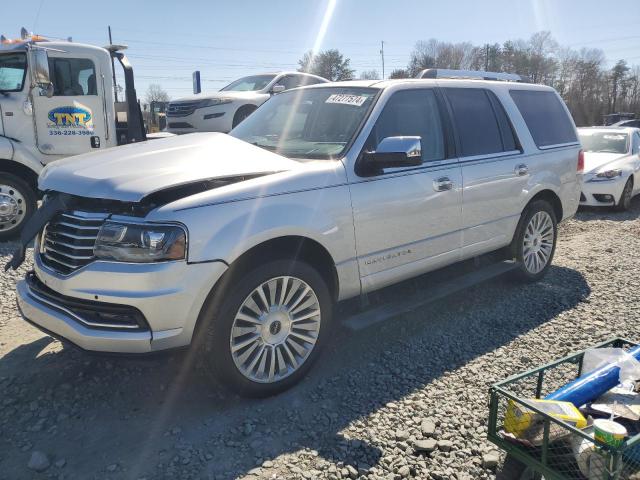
(472, 158)
(40, 299)
(75, 237)
(74, 267)
(68, 255)
(68, 245)
(78, 227)
(559, 145)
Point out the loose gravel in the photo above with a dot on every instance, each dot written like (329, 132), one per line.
(402, 399)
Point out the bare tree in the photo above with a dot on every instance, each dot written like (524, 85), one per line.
(369, 75)
(399, 73)
(155, 93)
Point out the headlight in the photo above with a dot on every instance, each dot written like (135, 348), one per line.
(126, 242)
(609, 174)
(212, 102)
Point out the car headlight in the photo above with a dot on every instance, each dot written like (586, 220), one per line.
(126, 242)
(212, 102)
(609, 174)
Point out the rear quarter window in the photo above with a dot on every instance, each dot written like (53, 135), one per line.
(545, 117)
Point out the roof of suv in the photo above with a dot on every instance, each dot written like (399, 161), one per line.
(382, 84)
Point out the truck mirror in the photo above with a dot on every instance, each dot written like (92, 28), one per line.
(40, 68)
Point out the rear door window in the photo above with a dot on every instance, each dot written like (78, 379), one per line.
(545, 117)
(481, 123)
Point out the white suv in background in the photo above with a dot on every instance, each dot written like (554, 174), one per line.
(612, 166)
(242, 243)
(222, 111)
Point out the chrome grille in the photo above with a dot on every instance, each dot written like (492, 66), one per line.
(68, 239)
(182, 109)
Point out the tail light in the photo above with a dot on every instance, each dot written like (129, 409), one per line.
(581, 161)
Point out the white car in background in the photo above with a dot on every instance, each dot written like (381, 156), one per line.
(223, 110)
(612, 166)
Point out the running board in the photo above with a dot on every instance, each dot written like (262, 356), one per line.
(377, 314)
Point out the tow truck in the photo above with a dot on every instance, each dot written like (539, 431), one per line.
(57, 99)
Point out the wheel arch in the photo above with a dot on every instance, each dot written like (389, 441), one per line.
(550, 197)
(291, 247)
(20, 170)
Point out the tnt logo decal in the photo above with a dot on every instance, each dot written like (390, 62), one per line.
(70, 117)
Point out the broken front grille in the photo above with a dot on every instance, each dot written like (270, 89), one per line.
(68, 240)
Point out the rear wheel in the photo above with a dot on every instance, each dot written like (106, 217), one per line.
(267, 327)
(625, 198)
(242, 113)
(17, 204)
(534, 243)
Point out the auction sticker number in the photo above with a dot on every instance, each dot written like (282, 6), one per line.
(346, 99)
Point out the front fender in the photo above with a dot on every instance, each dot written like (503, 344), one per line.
(26, 157)
(6, 148)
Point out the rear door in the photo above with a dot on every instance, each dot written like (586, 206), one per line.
(72, 121)
(493, 170)
(408, 220)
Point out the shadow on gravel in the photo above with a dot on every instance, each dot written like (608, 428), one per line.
(161, 418)
(586, 214)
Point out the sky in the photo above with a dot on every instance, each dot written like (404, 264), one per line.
(168, 40)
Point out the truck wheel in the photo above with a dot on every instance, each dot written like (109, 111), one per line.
(242, 113)
(514, 469)
(534, 242)
(625, 198)
(17, 204)
(265, 330)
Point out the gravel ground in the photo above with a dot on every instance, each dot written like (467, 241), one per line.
(406, 398)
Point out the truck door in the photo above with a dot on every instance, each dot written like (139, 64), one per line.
(72, 121)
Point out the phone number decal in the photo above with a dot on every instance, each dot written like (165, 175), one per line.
(71, 132)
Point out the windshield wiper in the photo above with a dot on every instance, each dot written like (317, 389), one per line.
(271, 148)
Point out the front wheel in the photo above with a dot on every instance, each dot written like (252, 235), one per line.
(625, 198)
(18, 201)
(268, 328)
(534, 243)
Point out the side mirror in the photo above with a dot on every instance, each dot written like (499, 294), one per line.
(394, 152)
(48, 90)
(277, 88)
(39, 61)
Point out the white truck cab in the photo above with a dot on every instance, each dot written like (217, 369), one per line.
(56, 100)
(224, 110)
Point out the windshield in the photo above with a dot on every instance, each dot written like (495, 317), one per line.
(604, 142)
(13, 68)
(249, 84)
(308, 123)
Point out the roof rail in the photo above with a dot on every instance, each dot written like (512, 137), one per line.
(471, 74)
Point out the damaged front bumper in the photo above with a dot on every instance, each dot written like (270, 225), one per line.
(119, 307)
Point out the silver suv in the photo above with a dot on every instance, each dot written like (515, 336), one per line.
(242, 243)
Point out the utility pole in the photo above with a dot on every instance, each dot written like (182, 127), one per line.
(382, 55)
(113, 69)
(486, 58)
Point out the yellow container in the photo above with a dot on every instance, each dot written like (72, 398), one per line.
(518, 418)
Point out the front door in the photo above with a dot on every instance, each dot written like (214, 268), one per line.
(408, 220)
(72, 121)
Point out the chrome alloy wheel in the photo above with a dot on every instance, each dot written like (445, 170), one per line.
(275, 329)
(538, 242)
(12, 207)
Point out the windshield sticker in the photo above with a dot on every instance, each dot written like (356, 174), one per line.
(70, 121)
(345, 99)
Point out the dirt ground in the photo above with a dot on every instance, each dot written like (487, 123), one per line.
(361, 407)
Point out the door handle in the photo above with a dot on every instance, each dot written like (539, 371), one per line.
(521, 170)
(442, 184)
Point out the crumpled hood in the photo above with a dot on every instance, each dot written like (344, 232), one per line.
(594, 161)
(131, 172)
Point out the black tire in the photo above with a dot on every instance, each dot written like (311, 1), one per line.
(624, 202)
(25, 198)
(523, 272)
(513, 469)
(220, 311)
(242, 113)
